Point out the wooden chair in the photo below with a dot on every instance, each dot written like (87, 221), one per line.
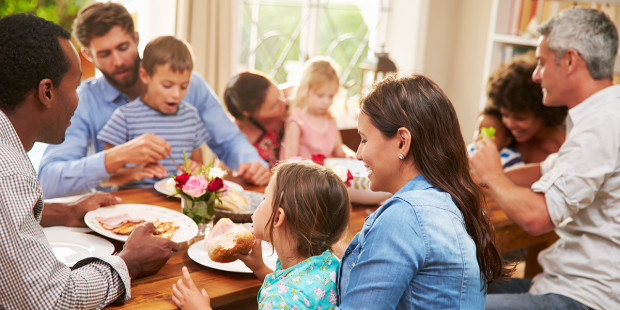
(350, 138)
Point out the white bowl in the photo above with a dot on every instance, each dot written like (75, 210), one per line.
(359, 191)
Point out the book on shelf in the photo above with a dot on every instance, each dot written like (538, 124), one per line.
(532, 13)
(549, 9)
(528, 13)
(514, 17)
(510, 51)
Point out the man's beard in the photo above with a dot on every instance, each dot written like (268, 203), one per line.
(127, 81)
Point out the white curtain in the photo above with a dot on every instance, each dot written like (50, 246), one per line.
(210, 26)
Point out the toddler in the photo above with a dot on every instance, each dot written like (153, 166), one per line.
(311, 129)
(490, 117)
(166, 70)
(305, 212)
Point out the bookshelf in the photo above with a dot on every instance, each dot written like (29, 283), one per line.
(513, 24)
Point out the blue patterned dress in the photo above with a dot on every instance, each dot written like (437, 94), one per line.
(311, 284)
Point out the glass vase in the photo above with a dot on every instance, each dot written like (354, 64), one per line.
(201, 212)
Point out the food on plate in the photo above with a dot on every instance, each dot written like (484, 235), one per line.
(164, 229)
(227, 238)
(123, 224)
(113, 222)
(232, 201)
(126, 228)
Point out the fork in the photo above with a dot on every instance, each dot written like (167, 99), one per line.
(173, 161)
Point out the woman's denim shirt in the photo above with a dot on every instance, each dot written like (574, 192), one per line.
(412, 253)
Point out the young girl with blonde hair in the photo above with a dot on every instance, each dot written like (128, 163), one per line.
(311, 129)
(305, 212)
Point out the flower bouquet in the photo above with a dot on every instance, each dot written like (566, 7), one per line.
(199, 190)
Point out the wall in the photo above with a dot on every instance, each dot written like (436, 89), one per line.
(408, 22)
(154, 18)
(467, 61)
(450, 49)
(444, 39)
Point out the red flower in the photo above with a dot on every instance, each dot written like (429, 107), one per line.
(318, 159)
(349, 178)
(181, 180)
(215, 184)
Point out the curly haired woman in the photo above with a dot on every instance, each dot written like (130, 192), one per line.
(538, 130)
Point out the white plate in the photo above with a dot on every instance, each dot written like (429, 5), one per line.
(198, 254)
(360, 191)
(187, 228)
(70, 247)
(70, 229)
(66, 199)
(161, 186)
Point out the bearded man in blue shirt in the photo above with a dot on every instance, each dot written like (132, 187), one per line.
(106, 33)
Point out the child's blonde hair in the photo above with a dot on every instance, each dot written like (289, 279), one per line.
(317, 72)
(168, 50)
(315, 202)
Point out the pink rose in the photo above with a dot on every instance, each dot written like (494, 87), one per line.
(215, 184)
(195, 186)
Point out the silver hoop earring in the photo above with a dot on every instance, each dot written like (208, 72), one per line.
(401, 156)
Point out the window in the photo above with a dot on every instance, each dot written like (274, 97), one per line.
(277, 37)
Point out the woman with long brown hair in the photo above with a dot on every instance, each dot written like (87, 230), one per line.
(260, 110)
(430, 245)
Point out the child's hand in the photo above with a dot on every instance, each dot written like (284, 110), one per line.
(192, 165)
(254, 260)
(125, 175)
(185, 294)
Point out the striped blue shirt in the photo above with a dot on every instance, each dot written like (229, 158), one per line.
(184, 131)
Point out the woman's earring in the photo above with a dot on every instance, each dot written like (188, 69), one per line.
(401, 156)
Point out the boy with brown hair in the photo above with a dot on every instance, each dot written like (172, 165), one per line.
(166, 71)
(106, 34)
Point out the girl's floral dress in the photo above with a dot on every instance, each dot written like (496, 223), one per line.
(310, 284)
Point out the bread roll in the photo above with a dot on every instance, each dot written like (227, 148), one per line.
(232, 201)
(227, 238)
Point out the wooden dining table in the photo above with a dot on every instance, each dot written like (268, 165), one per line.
(229, 290)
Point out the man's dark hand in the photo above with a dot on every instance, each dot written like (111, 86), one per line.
(144, 253)
(72, 214)
(145, 149)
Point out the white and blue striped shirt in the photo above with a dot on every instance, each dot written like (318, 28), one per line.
(184, 131)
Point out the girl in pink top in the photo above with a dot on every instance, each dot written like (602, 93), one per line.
(311, 129)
